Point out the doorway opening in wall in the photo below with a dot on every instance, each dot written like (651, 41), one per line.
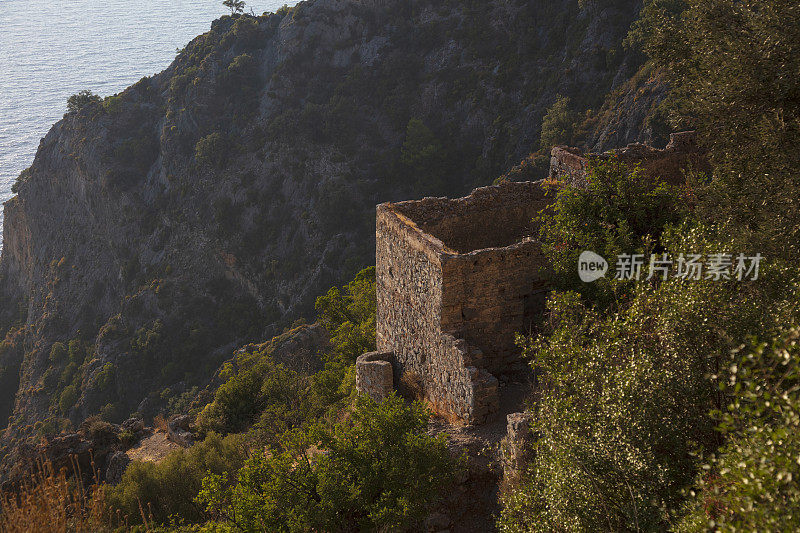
(534, 306)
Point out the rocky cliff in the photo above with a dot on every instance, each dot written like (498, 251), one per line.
(207, 206)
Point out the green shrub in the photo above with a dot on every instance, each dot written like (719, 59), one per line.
(169, 487)
(22, 178)
(619, 211)
(112, 104)
(77, 351)
(58, 353)
(242, 70)
(105, 378)
(349, 314)
(558, 124)
(379, 471)
(212, 150)
(424, 155)
(263, 390)
(751, 484)
(69, 397)
(78, 101)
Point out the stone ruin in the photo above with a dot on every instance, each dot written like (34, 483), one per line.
(568, 165)
(458, 279)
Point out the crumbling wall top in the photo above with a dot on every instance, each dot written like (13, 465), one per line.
(491, 217)
(683, 151)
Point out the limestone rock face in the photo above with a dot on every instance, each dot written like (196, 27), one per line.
(179, 430)
(206, 207)
(117, 464)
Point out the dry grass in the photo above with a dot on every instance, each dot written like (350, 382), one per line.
(53, 502)
(160, 423)
(50, 502)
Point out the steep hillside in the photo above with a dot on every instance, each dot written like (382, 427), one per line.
(208, 206)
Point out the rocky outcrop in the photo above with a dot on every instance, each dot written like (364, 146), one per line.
(179, 430)
(94, 453)
(300, 349)
(631, 113)
(207, 206)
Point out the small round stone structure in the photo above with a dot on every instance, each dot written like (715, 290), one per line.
(374, 375)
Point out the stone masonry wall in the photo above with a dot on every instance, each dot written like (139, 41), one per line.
(409, 284)
(568, 165)
(491, 295)
(490, 217)
(450, 317)
(374, 375)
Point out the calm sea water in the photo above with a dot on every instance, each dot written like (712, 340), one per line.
(52, 49)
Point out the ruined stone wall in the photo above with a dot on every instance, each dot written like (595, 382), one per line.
(490, 217)
(492, 267)
(409, 290)
(450, 312)
(374, 375)
(491, 295)
(568, 165)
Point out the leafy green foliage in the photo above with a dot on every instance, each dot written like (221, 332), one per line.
(168, 488)
(262, 392)
(733, 66)
(81, 99)
(58, 353)
(619, 211)
(627, 409)
(349, 314)
(424, 155)
(112, 104)
(625, 402)
(378, 470)
(213, 150)
(69, 396)
(751, 484)
(558, 124)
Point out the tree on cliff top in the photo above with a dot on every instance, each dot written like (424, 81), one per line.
(81, 99)
(236, 6)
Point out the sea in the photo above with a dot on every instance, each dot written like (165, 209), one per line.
(51, 49)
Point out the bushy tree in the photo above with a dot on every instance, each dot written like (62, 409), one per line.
(378, 470)
(168, 488)
(81, 99)
(753, 482)
(624, 410)
(558, 124)
(424, 155)
(236, 6)
(733, 67)
(349, 315)
(213, 150)
(620, 210)
(260, 392)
